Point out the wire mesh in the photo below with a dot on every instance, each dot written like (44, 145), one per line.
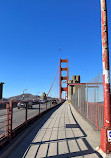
(18, 117)
(33, 111)
(3, 117)
(88, 100)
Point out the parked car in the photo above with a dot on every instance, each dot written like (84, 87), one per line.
(30, 105)
(23, 105)
(54, 102)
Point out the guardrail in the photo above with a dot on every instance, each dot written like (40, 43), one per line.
(93, 112)
(88, 101)
(13, 119)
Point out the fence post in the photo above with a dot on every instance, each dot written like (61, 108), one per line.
(105, 143)
(78, 97)
(46, 105)
(96, 116)
(26, 114)
(87, 103)
(10, 119)
(97, 109)
(39, 108)
(84, 109)
(7, 120)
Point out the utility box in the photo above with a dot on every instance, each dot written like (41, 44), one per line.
(1, 89)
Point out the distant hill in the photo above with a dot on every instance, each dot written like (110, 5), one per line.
(27, 96)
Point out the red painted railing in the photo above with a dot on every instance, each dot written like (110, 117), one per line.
(14, 120)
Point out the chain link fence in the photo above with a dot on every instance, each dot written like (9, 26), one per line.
(88, 101)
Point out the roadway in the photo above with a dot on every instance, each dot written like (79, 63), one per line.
(19, 115)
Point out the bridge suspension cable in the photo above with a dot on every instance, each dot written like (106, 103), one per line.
(54, 81)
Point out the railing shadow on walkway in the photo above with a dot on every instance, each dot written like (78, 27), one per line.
(89, 150)
(29, 138)
(28, 143)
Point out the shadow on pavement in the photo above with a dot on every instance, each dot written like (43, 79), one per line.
(27, 143)
(19, 151)
(81, 153)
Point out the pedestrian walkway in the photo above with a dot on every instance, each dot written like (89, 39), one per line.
(65, 134)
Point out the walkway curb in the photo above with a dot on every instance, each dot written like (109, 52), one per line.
(104, 155)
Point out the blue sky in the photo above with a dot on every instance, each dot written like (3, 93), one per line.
(31, 33)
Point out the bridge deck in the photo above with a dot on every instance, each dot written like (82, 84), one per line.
(62, 133)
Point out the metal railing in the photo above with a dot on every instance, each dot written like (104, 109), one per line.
(13, 119)
(88, 101)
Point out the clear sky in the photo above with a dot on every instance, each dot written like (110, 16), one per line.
(31, 33)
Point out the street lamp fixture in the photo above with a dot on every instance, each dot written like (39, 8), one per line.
(23, 93)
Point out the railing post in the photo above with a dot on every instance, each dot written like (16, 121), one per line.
(87, 103)
(10, 119)
(39, 108)
(78, 97)
(84, 111)
(7, 120)
(46, 105)
(26, 114)
(105, 143)
(97, 109)
(96, 116)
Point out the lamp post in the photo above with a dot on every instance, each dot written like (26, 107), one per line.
(23, 93)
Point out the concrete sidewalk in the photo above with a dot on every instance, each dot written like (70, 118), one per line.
(64, 134)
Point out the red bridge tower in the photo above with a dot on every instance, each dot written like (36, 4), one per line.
(63, 78)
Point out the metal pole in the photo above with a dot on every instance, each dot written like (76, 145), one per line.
(97, 108)
(7, 120)
(10, 119)
(60, 81)
(67, 76)
(26, 115)
(39, 108)
(106, 130)
(105, 61)
(78, 97)
(87, 104)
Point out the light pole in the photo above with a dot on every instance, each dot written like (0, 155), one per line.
(23, 93)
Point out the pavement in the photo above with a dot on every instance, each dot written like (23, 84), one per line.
(62, 133)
